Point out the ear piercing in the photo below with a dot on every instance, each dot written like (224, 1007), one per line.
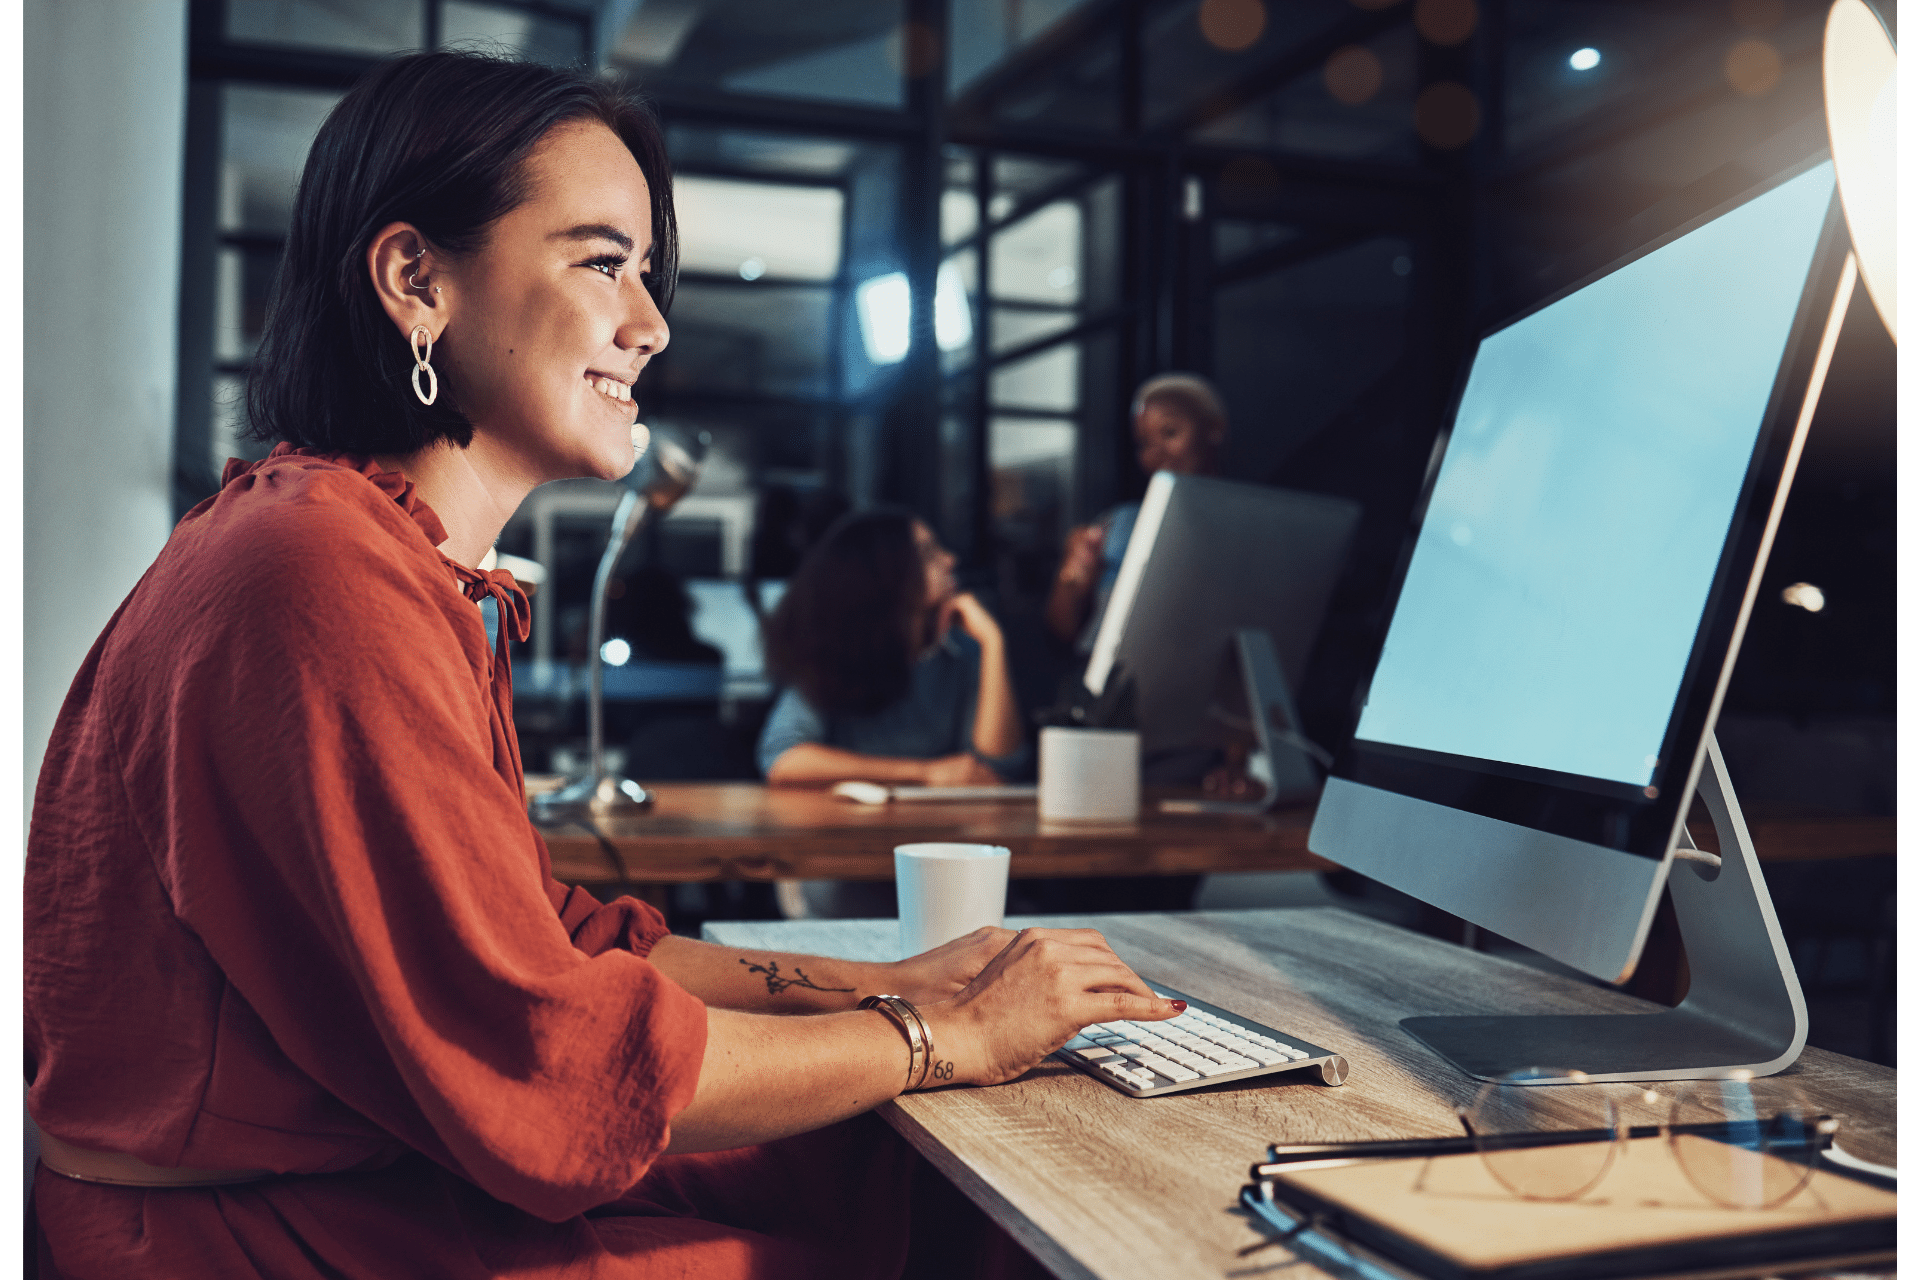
(416, 272)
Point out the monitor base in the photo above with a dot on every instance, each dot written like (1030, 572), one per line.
(1743, 1011)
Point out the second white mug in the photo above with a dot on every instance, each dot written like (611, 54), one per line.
(1089, 775)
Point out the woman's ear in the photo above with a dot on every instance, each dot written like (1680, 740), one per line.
(405, 279)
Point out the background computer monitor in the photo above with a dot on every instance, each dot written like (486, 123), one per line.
(1207, 558)
(1571, 607)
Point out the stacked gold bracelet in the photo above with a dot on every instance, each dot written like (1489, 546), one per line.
(919, 1040)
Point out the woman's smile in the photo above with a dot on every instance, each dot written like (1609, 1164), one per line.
(612, 389)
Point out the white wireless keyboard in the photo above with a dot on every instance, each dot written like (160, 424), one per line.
(1205, 1045)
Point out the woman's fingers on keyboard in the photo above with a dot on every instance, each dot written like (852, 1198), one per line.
(1032, 998)
(1126, 1006)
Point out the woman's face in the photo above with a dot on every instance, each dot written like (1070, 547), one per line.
(550, 323)
(938, 564)
(1169, 441)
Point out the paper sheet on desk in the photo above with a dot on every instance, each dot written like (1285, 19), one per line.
(1453, 1207)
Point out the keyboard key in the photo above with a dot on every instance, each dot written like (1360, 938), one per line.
(1152, 1057)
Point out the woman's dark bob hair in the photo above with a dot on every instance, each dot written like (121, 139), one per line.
(848, 630)
(438, 140)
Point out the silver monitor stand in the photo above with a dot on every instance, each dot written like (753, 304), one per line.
(1291, 758)
(1743, 1009)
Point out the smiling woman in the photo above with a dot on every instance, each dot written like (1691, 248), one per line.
(302, 996)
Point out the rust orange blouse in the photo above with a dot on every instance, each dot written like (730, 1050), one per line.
(284, 910)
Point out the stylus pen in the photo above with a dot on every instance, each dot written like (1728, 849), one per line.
(1284, 1155)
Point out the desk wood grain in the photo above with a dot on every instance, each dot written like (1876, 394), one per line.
(708, 831)
(703, 831)
(1097, 1185)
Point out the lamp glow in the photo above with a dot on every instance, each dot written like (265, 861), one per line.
(1584, 59)
(615, 652)
(1858, 61)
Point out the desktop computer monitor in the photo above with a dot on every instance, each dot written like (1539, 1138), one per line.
(1540, 714)
(1210, 562)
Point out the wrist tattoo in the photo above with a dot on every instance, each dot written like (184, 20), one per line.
(777, 982)
(943, 1070)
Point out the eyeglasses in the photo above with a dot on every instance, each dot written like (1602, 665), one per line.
(1742, 1143)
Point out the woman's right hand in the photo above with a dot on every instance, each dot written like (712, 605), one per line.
(962, 770)
(1080, 559)
(1038, 993)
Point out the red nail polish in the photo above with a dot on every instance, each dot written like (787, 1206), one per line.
(1179, 1006)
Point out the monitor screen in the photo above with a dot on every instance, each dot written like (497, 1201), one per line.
(1577, 521)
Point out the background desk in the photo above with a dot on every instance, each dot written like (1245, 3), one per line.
(706, 831)
(702, 831)
(1098, 1185)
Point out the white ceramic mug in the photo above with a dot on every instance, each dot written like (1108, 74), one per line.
(1089, 775)
(947, 890)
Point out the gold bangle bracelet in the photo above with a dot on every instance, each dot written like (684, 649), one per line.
(919, 1040)
(926, 1037)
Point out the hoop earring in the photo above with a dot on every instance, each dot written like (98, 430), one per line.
(421, 366)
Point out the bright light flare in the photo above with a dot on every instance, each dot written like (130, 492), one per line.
(1584, 59)
(615, 652)
(1806, 596)
(885, 306)
(952, 317)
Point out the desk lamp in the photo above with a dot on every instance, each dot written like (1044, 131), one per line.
(1858, 61)
(660, 479)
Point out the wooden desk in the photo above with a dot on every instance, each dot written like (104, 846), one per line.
(705, 831)
(701, 831)
(1098, 1185)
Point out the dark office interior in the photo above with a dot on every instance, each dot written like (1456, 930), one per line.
(932, 246)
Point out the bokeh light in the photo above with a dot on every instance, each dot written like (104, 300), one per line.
(1445, 22)
(1446, 115)
(1232, 25)
(1584, 59)
(1806, 596)
(1753, 67)
(1353, 74)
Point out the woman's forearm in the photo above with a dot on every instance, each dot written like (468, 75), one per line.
(816, 762)
(996, 716)
(768, 1077)
(1066, 610)
(767, 981)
